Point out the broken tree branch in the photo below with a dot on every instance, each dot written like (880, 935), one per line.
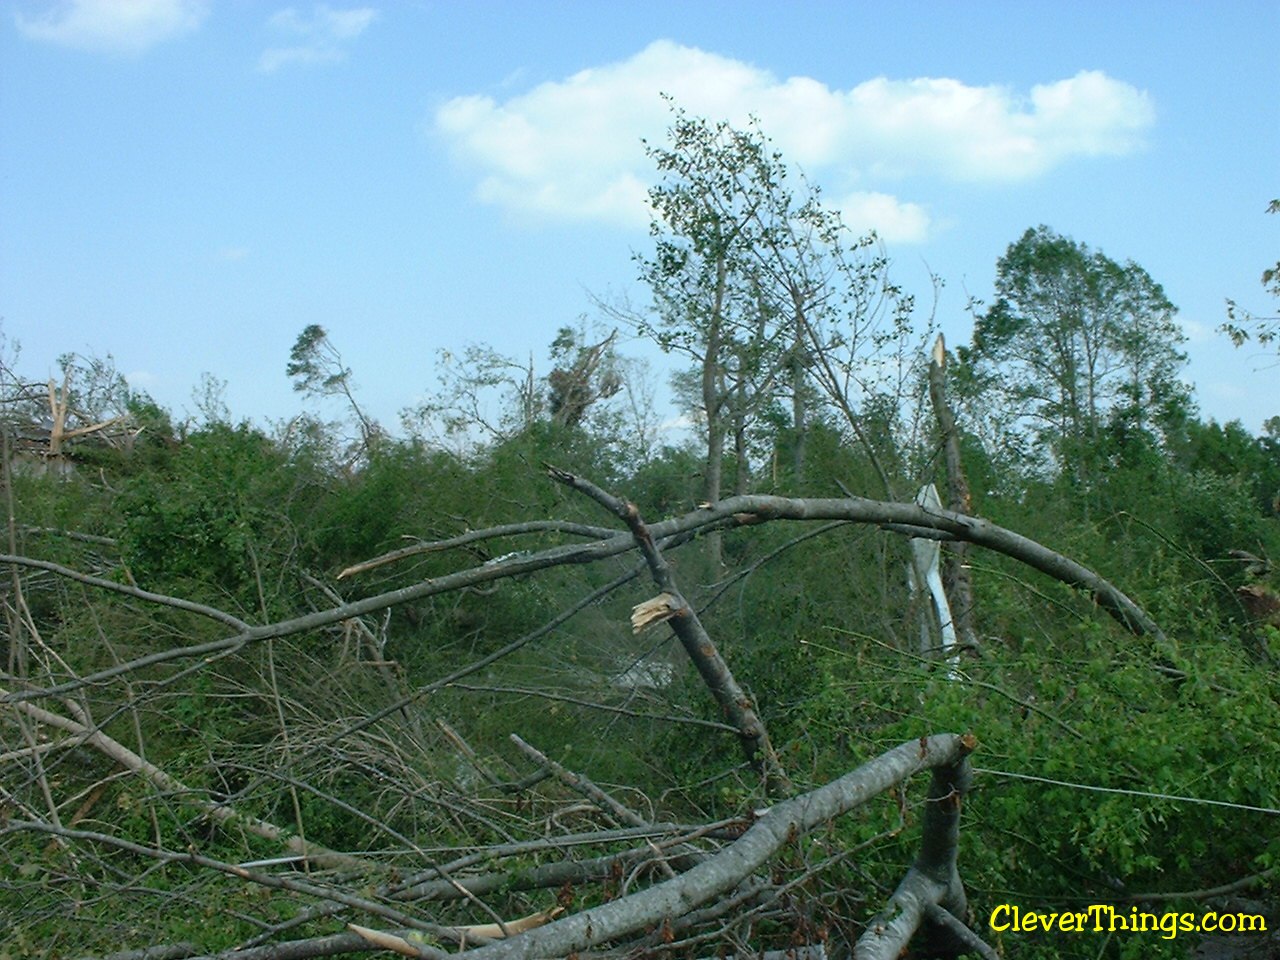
(472, 536)
(217, 812)
(934, 878)
(720, 873)
(733, 701)
(735, 511)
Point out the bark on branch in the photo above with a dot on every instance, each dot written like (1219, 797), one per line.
(473, 536)
(724, 871)
(734, 702)
(932, 881)
(734, 511)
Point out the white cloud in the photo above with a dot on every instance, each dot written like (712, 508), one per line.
(274, 58)
(315, 38)
(893, 220)
(570, 148)
(114, 26)
(232, 254)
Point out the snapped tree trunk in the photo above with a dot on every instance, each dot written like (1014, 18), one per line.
(956, 579)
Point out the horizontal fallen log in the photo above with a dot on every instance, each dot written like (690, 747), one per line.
(744, 510)
(723, 871)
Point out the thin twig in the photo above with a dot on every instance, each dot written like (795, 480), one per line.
(608, 708)
(473, 536)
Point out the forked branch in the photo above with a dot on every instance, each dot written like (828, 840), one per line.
(721, 873)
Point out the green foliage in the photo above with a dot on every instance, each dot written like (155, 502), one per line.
(314, 364)
(1094, 744)
(1228, 451)
(669, 483)
(395, 493)
(819, 629)
(205, 523)
(781, 310)
(317, 370)
(1075, 345)
(1243, 325)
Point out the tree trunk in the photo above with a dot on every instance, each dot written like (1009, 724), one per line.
(713, 406)
(799, 410)
(741, 463)
(955, 568)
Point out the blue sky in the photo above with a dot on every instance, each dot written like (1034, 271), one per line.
(186, 185)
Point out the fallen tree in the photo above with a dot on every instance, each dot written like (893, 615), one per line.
(693, 882)
(908, 519)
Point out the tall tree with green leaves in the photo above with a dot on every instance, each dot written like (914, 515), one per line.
(765, 289)
(718, 186)
(1076, 350)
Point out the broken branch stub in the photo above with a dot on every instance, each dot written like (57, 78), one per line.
(660, 608)
(735, 703)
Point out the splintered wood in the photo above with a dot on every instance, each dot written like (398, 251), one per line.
(662, 607)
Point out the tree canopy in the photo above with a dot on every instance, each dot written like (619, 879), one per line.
(1076, 346)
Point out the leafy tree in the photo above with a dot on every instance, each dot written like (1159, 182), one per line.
(764, 289)
(1243, 325)
(487, 400)
(317, 370)
(1231, 452)
(1074, 344)
(484, 395)
(203, 521)
(718, 186)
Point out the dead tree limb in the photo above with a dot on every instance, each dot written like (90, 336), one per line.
(270, 881)
(722, 872)
(601, 798)
(734, 511)
(662, 835)
(733, 701)
(331, 945)
(172, 951)
(178, 603)
(759, 508)
(29, 530)
(472, 536)
(217, 812)
(582, 784)
(934, 878)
